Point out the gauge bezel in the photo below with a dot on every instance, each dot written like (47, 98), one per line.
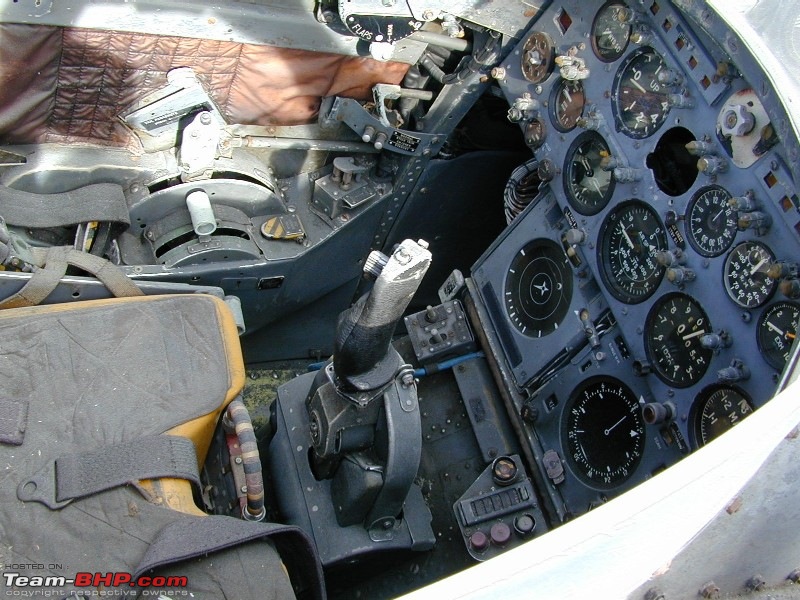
(701, 401)
(767, 353)
(583, 208)
(616, 98)
(593, 35)
(653, 336)
(574, 431)
(726, 273)
(539, 252)
(553, 103)
(730, 222)
(611, 282)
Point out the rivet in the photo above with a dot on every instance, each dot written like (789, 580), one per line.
(756, 583)
(709, 590)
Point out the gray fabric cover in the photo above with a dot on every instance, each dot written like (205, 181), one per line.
(103, 374)
(114, 372)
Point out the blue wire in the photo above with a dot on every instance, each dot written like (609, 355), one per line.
(447, 364)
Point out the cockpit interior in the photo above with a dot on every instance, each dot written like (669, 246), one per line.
(511, 260)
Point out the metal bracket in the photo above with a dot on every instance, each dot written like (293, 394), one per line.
(199, 144)
(371, 129)
(158, 117)
(404, 428)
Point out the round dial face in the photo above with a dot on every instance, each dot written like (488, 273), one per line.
(587, 186)
(610, 32)
(777, 330)
(630, 238)
(716, 409)
(746, 279)
(603, 432)
(640, 102)
(566, 104)
(535, 133)
(538, 288)
(538, 57)
(672, 335)
(711, 221)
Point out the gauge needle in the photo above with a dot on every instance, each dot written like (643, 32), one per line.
(542, 288)
(758, 266)
(776, 330)
(638, 86)
(716, 216)
(610, 429)
(693, 335)
(627, 237)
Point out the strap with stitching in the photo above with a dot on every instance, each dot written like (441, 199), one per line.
(79, 475)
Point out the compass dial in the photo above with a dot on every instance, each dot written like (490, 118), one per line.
(711, 221)
(566, 104)
(640, 101)
(746, 279)
(538, 288)
(587, 186)
(603, 432)
(776, 332)
(716, 409)
(610, 31)
(630, 238)
(672, 335)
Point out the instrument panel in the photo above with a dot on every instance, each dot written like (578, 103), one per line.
(646, 301)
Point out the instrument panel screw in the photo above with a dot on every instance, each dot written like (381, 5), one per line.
(654, 594)
(243, 489)
(238, 460)
(756, 583)
(709, 590)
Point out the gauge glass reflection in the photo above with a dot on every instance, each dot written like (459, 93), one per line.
(603, 432)
(631, 236)
(640, 101)
(610, 31)
(718, 408)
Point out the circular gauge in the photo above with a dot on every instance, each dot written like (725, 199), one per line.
(777, 329)
(566, 104)
(746, 279)
(535, 133)
(603, 432)
(538, 57)
(538, 288)
(587, 186)
(711, 221)
(610, 31)
(630, 238)
(673, 329)
(716, 409)
(640, 102)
